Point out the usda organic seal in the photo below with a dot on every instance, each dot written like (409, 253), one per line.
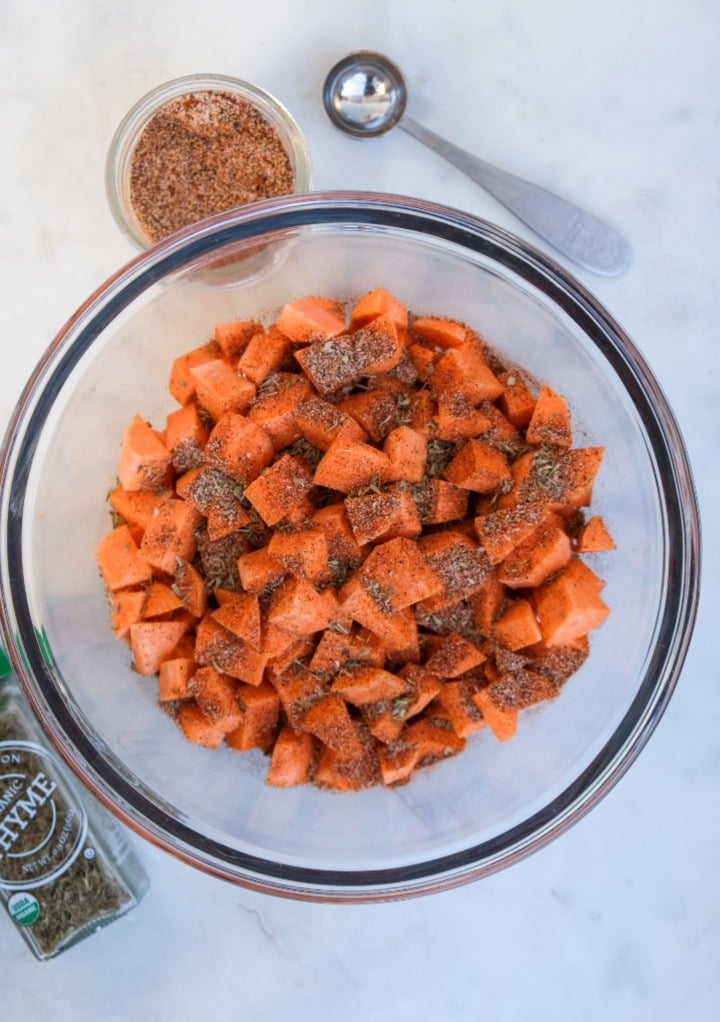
(24, 908)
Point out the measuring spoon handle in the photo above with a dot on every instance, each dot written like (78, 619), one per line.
(576, 233)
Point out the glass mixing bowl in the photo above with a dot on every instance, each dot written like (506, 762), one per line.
(466, 816)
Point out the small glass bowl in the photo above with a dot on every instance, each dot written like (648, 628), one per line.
(119, 161)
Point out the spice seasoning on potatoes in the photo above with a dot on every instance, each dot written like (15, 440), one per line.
(401, 566)
(201, 154)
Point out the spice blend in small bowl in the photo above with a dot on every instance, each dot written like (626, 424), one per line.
(195, 147)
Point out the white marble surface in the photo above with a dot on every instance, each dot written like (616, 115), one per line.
(614, 104)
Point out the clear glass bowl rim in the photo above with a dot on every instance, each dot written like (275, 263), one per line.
(41, 686)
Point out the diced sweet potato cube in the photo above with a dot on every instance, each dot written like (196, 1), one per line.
(531, 562)
(259, 570)
(322, 423)
(275, 404)
(463, 370)
(283, 649)
(240, 614)
(348, 769)
(439, 331)
(595, 537)
(364, 685)
(190, 587)
(330, 365)
(329, 720)
(265, 352)
(569, 605)
(185, 437)
(239, 447)
(370, 607)
(311, 318)
(402, 572)
(407, 451)
(455, 701)
(181, 384)
(458, 419)
(170, 535)
(215, 694)
(260, 707)
(381, 516)
(152, 642)
(550, 420)
(173, 678)
(303, 552)
(462, 566)
(278, 488)
(159, 600)
(422, 687)
(375, 411)
(217, 647)
(423, 360)
(233, 337)
(291, 758)
(500, 531)
(136, 507)
(516, 400)
(347, 465)
(342, 546)
(219, 389)
(423, 741)
(298, 608)
(378, 302)
(502, 721)
(144, 462)
(197, 727)
(452, 655)
(479, 467)
(125, 609)
(518, 626)
(438, 501)
(119, 560)
(297, 694)
(335, 650)
(377, 346)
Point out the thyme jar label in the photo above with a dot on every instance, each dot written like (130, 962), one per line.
(41, 829)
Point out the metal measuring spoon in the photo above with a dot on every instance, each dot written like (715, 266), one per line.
(365, 95)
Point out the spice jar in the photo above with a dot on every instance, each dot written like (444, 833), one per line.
(196, 146)
(66, 868)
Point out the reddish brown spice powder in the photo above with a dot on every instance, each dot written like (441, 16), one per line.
(201, 154)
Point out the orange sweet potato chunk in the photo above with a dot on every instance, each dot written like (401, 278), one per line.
(595, 537)
(239, 447)
(291, 758)
(170, 535)
(119, 560)
(376, 303)
(219, 388)
(348, 465)
(478, 467)
(550, 420)
(569, 606)
(311, 318)
(144, 462)
(281, 486)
